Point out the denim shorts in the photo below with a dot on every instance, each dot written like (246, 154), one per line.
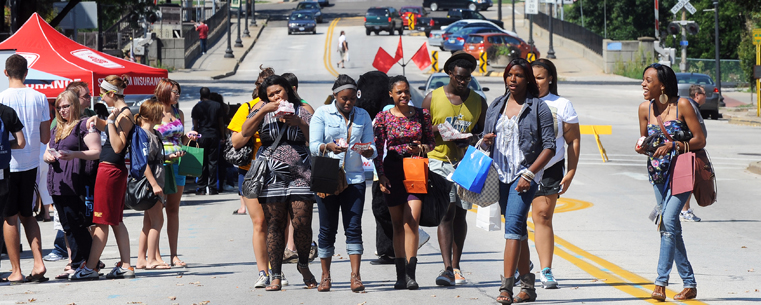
(179, 180)
(515, 207)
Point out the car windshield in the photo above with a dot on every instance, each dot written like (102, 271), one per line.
(472, 15)
(307, 6)
(454, 27)
(301, 16)
(410, 10)
(694, 79)
(377, 13)
(479, 25)
(440, 81)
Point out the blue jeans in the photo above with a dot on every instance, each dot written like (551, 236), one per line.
(203, 45)
(515, 208)
(672, 244)
(351, 203)
(59, 244)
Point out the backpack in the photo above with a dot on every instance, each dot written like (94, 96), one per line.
(5, 147)
(138, 151)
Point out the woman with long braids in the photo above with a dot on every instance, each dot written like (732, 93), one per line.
(663, 110)
(288, 190)
(520, 135)
(406, 131)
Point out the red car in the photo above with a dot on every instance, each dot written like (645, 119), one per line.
(478, 43)
(418, 11)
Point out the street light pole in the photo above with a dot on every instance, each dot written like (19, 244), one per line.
(716, 42)
(245, 27)
(513, 8)
(253, 12)
(229, 50)
(499, 10)
(551, 52)
(239, 42)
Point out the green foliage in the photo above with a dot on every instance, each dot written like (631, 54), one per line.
(633, 69)
(161, 65)
(503, 50)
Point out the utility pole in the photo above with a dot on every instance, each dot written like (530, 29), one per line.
(683, 63)
(581, 7)
(605, 17)
(716, 42)
(229, 50)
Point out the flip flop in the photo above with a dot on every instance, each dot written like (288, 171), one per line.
(236, 213)
(179, 263)
(158, 267)
(39, 278)
(63, 276)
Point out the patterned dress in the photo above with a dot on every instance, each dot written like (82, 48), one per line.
(658, 168)
(290, 162)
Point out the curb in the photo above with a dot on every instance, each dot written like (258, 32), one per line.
(237, 64)
(755, 167)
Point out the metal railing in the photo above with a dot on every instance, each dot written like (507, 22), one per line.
(731, 70)
(572, 31)
(191, 36)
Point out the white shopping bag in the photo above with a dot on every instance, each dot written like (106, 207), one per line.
(489, 218)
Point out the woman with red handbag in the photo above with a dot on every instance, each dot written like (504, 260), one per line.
(666, 121)
(406, 131)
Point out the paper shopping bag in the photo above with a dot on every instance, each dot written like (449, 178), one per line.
(683, 176)
(472, 171)
(489, 218)
(416, 175)
(191, 164)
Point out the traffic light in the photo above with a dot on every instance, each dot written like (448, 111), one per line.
(673, 28)
(692, 28)
(151, 17)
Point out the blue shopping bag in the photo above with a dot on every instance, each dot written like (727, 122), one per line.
(472, 171)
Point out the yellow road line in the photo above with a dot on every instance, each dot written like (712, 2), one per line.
(605, 271)
(328, 38)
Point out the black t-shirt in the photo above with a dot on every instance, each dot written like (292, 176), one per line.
(206, 115)
(10, 120)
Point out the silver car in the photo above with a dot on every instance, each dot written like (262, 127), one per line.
(711, 106)
(440, 79)
(435, 39)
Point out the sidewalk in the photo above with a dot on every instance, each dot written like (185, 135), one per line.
(213, 64)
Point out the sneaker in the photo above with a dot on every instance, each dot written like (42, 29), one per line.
(548, 280)
(688, 216)
(84, 274)
(263, 280)
(517, 275)
(458, 278)
(120, 273)
(445, 278)
(283, 280)
(52, 257)
(424, 237)
(290, 257)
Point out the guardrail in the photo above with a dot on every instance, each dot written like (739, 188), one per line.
(572, 31)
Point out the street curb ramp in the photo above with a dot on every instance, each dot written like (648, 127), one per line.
(237, 63)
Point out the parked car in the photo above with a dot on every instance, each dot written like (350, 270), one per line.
(454, 27)
(406, 11)
(428, 24)
(474, 5)
(456, 41)
(312, 7)
(303, 22)
(435, 39)
(383, 19)
(711, 107)
(440, 79)
(324, 2)
(480, 42)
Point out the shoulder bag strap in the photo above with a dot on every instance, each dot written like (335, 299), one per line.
(663, 129)
(348, 138)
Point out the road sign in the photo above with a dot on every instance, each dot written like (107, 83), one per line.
(532, 7)
(434, 61)
(756, 36)
(684, 43)
(482, 63)
(690, 8)
(679, 6)
(531, 57)
(756, 71)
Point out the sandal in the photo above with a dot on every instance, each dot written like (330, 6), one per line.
(325, 284)
(272, 286)
(176, 262)
(309, 282)
(506, 290)
(36, 278)
(356, 283)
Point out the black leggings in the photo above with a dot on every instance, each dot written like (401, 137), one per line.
(276, 215)
(71, 210)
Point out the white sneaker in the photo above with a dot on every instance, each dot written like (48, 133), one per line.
(283, 280)
(688, 216)
(263, 280)
(84, 274)
(548, 280)
(121, 273)
(424, 237)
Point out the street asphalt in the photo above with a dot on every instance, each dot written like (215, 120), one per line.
(606, 249)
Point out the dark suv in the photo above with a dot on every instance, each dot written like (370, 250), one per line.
(383, 19)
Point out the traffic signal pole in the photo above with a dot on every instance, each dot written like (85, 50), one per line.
(683, 64)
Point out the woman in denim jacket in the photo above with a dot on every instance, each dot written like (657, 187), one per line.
(329, 125)
(520, 135)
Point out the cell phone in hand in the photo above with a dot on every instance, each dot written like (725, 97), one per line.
(413, 144)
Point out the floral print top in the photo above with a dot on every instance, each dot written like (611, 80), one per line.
(658, 168)
(171, 133)
(394, 133)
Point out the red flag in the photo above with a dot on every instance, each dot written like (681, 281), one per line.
(383, 61)
(399, 53)
(421, 58)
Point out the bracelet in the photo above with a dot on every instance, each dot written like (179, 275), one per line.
(526, 178)
(528, 173)
(109, 122)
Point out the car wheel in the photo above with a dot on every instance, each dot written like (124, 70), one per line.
(314, 32)
(434, 6)
(473, 7)
(442, 48)
(367, 32)
(401, 31)
(289, 32)
(377, 32)
(714, 114)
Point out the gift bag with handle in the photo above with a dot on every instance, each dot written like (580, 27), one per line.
(416, 175)
(489, 218)
(191, 164)
(473, 169)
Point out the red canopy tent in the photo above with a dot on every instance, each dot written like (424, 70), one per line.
(49, 51)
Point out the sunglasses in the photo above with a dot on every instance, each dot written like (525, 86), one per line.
(102, 94)
(176, 92)
(62, 107)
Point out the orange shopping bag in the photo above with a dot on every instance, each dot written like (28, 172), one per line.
(416, 175)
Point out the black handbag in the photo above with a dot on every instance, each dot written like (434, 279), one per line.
(436, 202)
(256, 177)
(328, 176)
(139, 195)
(242, 156)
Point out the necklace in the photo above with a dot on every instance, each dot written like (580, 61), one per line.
(404, 114)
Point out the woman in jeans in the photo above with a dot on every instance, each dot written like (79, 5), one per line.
(329, 125)
(287, 191)
(555, 180)
(71, 144)
(663, 104)
(406, 131)
(519, 133)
